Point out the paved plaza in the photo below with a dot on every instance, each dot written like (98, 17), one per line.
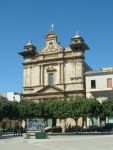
(95, 142)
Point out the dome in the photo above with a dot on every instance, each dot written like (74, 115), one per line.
(29, 43)
(77, 35)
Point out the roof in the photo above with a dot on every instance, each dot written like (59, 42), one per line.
(107, 70)
(29, 43)
(77, 35)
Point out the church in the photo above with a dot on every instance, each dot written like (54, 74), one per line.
(54, 72)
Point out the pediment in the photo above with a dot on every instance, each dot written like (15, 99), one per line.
(51, 45)
(52, 48)
(49, 89)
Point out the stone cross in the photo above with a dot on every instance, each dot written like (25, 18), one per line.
(52, 27)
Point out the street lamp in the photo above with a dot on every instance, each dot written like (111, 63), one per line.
(14, 98)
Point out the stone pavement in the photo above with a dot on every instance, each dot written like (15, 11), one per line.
(73, 142)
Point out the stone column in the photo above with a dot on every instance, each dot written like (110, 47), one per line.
(63, 125)
(30, 75)
(24, 76)
(62, 73)
(75, 69)
(28, 80)
(39, 75)
(107, 119)
(88, 122)
(42, 75)
(59, 73)
(98, 121)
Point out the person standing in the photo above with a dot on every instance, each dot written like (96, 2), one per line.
(21, 131)
(15, 131)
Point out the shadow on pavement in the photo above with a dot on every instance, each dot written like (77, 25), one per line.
(8, 136)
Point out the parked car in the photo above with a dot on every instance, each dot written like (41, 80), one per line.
(73, 129)
(54, 130)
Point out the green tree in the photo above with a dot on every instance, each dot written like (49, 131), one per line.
(38, 110)
(2, 115)
(9, 109)
(75, 111)
(13, 111)
(93, 108)
(26, 109)
(5, 109)
(107, 107)
(50, 110)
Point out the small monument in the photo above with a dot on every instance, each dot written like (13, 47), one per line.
(36, 127)
(34, 124)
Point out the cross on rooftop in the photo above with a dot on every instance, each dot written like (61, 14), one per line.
(52, 27)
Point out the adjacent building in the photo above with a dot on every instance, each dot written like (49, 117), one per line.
(11, 96)
(99, 84)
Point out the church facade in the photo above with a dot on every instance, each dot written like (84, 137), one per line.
(54, 71)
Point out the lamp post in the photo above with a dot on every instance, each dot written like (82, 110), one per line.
(14, 98)
(14, 115)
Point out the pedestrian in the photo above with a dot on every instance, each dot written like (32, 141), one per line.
(21, 131)
(15, 131)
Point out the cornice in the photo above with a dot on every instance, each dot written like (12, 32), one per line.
(53, 60)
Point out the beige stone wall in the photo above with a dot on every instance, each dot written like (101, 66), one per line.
(65, 123)
(35, 75)
(69, 73)
(6, 123)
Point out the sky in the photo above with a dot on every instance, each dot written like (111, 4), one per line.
(24, 20)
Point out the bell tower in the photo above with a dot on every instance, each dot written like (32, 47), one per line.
(29, 50)
(78, 44)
